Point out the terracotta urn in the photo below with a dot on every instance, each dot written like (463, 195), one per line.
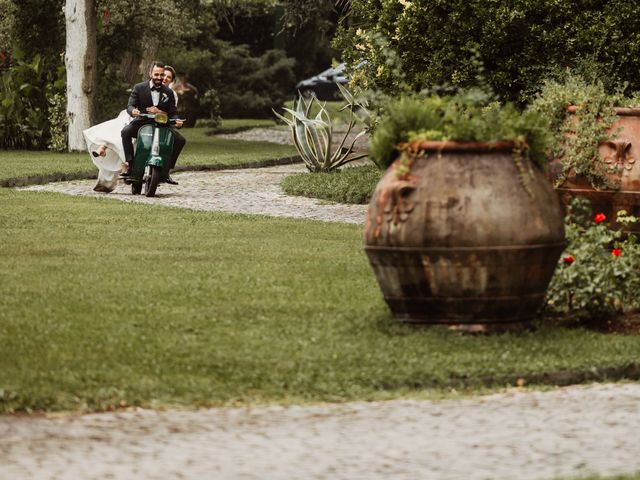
(621, 159)
(459, 234)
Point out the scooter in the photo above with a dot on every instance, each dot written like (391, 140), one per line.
(154, 145)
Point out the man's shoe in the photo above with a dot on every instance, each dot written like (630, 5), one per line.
(170, 180)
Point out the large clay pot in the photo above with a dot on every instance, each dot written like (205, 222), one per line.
(622, 157)
(454, 237)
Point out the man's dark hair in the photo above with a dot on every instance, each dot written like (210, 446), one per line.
(156, 64)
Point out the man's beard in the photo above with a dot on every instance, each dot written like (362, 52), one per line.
(156, 83)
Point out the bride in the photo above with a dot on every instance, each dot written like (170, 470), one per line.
(104, 144)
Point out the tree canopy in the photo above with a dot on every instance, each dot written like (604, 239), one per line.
(511, 44)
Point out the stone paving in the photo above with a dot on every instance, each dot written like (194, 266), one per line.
(568, 432)
(252, 190)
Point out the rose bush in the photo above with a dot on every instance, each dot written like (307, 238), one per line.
(599, 273)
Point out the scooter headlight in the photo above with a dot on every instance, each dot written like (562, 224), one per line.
(162, 118)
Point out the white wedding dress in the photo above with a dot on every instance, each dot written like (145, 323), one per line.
(108, 134)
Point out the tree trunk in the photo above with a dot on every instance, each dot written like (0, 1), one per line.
(81, 59)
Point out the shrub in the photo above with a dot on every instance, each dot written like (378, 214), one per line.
(24, 122)
(599, 271)
(252, 86)
(58, 120)
(112, 94)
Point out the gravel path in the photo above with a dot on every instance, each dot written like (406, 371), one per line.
(518, 435)
(252, 190)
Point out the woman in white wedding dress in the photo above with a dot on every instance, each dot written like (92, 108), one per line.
(104, 144)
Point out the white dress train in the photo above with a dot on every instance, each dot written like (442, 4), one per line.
(108, 134)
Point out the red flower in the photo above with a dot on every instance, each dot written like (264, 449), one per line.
(600, 217)
(616, 252)
(568, 259)
(106, 16)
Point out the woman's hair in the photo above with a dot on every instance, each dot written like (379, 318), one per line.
(171, 69)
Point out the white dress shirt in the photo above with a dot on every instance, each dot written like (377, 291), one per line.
(155, 94)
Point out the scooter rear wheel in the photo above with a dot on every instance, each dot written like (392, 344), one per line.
(136, 188)
(153, 181)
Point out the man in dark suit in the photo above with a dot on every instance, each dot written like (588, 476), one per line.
(151, 97)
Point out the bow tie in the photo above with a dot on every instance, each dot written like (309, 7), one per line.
(155, 89)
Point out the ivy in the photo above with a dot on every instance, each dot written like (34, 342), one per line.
(576, 136)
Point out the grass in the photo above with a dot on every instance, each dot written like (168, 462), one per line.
(19, 167)
(105, 304)
(349, 185)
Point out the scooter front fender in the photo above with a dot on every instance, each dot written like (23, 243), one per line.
(156, 161)
(145, 154)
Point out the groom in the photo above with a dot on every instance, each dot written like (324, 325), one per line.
(151, 97)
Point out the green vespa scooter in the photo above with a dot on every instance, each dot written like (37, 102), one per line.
(153, 152)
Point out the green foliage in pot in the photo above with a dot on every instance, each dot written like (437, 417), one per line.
(599, 272)
(576, 135)
(470, 115)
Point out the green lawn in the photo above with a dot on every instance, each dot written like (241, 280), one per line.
(105, 303)
(349, 185)
(24, 167)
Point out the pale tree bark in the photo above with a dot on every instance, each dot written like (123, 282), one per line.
(81, 62)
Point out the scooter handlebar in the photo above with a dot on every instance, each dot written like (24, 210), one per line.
(154, 115)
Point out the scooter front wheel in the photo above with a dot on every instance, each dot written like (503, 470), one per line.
(153, 181)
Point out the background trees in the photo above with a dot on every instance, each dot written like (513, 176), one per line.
(244, 56)
(514, 45)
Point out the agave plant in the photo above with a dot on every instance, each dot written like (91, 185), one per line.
(313, 137)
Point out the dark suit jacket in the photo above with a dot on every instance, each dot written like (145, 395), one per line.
(140, 98)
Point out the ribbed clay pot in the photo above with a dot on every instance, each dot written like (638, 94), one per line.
(454, 238)
(622, 158)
